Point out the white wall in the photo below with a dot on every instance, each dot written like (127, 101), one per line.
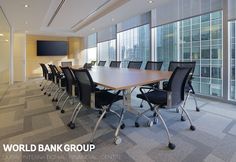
(19, 57)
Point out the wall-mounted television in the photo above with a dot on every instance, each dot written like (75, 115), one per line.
(52, 48)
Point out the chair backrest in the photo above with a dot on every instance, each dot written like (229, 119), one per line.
(175, 64)
(151, 65)
(93, 62)
(87, 66)
(85, 84)
(135, 64)
(70, 79)
(56, 69)
(45, 70)
(54, 72)
(176, 84)
(101, 63)
(115, 64)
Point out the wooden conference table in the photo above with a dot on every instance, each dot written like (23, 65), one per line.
(124, 78)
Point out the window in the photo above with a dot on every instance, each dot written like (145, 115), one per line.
(195, 39)
(134, 45)
(232, 63)
(91, 49)
(165, 38)
(107, 51)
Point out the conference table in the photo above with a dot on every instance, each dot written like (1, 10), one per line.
(124, 79)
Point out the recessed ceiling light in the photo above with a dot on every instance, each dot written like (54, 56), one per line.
(93, 28)
(1, 35)
(150, 1)
(26, 22)
(26, 5)
(112, 19)
(6, 40)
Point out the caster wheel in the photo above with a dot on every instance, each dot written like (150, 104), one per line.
(136, 124)
(56, 100)
(177, 110)
(171, 146)
(62, 111)
(45, 93)
(53, 100)
(117, 140)
(150, 123)
(122, 126)
(72, 125)
(40, 85)
(183, 118)
(49, 94)
(57, 108)
(155, 121)
(192, 128)
(41, 89)
(141, 106)
(197, 109)
(154, 114)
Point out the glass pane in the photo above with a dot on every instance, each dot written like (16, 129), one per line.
(196, 39)
(134, 45)
(4, 53)
(232, 52)
(107, 51)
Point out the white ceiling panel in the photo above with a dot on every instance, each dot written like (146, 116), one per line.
(74, 11)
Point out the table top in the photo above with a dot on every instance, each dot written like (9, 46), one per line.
(124, 78)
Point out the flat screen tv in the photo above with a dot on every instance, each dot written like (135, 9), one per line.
(52, 48)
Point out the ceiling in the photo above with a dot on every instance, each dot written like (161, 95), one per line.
(71, 17)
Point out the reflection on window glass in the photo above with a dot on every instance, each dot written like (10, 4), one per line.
(134, 45)
(232, 51)
(166, 38)
(107, 51)
(196, 39)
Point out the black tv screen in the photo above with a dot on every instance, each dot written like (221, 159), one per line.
(52, 48)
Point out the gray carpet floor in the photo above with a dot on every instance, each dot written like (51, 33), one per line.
(29, 117)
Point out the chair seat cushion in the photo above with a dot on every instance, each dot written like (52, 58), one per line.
(105, 98)
(158, 97)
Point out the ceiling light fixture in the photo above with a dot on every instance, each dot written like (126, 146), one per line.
(112, 19)
(6, 40)
(93, 28)
(150, 1)
(26, 5)
(1, 35)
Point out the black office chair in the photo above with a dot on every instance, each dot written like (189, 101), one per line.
(152, 65)
(93, 63)
(55, 79)
(87, 65)
(101, 100)
(172, 97)
(71, 86)
(135, 64)
(101, 63)
(48, 77)
(44, 76)
(115, 64)
(60, 81)
(188, 88)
